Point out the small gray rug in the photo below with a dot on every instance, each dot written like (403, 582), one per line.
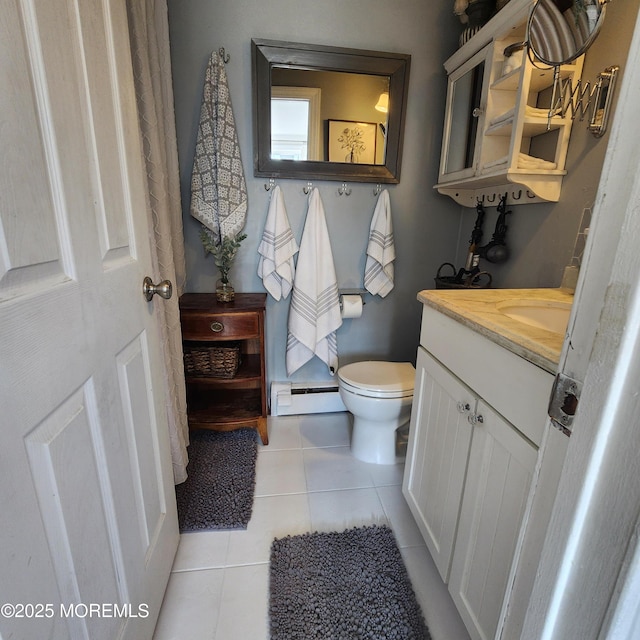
(342, 586)
(218, 493)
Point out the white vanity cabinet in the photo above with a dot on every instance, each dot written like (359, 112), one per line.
(496, 112)
(437, 456)
(499, 470)
(477, 420)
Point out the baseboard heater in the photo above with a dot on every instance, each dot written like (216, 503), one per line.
(294, 398)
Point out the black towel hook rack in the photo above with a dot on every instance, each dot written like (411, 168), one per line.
(224, 55)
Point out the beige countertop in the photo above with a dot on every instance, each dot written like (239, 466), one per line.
(477, 309)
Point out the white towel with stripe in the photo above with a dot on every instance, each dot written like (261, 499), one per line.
(314, 314)
(381, 252)
(276, 249)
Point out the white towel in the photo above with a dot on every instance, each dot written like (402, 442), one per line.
(531, 162)
(537, 112)
(524, 162)
(381, 252)
(218, 188)
(534, 112)
(314, 315)
(495, 163)
(277, 248)
(507, 115)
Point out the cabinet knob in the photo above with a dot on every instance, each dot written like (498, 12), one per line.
(477, 112)
(475, 419)
(216, 326)
(463, 407)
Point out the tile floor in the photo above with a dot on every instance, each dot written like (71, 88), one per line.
(306, 480)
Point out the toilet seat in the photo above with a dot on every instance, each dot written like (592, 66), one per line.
(378, 379)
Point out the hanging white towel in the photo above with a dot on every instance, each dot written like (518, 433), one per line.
(218, 188)
(277, 248)
(314, 315)
(381, 252)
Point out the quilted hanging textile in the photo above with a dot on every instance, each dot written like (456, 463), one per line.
(218, 187)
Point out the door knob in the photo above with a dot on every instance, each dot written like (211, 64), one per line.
(164, 289)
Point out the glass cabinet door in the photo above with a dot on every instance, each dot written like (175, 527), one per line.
(464, 117)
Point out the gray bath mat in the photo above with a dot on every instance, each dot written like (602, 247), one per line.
(342, 586)
(218, 494)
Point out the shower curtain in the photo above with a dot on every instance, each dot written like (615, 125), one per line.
(149, 36)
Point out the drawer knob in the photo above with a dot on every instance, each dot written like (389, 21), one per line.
(217, 327)
(475, 419)
(463, 407)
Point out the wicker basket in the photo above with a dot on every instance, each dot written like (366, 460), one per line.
(480, 280)
(219, 361)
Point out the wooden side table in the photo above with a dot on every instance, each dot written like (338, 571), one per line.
(225, 403)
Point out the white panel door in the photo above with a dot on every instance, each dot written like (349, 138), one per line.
(437, 453)
(89, 527)
(501, 464)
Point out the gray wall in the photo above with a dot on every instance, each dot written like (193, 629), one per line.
(429, 228)
(426, 225)
(541, 237)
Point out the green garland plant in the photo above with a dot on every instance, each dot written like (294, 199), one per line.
(223, 252)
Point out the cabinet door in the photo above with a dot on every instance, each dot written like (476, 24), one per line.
(464, 117)
(437, 453)
(499, 473)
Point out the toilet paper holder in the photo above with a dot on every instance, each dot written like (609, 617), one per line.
(351, 292)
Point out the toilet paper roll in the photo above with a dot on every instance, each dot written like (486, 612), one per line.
(351, 306)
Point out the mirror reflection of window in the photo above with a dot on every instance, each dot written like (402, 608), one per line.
(295, 123)
(351, 97)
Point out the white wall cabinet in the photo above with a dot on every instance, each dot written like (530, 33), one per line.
(495, 114)
(469, 470)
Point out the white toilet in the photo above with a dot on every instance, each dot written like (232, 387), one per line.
(379, 395)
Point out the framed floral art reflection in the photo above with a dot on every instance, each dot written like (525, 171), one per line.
(352, 142)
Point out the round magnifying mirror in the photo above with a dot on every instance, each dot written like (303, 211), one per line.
(560, 31)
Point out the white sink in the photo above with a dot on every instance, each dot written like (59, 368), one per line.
(542, 314)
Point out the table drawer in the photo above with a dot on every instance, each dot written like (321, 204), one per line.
(211, 326)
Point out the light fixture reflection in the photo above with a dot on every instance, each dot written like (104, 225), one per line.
(383, 103)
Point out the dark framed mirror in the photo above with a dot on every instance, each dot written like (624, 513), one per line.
(328, 113)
